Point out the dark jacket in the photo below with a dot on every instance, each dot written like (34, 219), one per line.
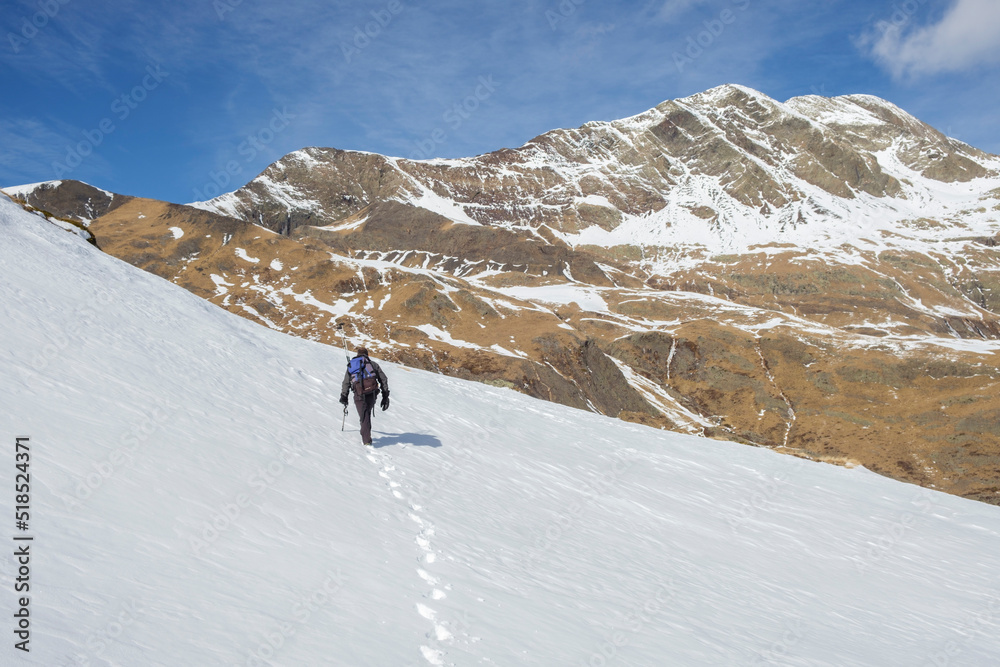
(383, 381)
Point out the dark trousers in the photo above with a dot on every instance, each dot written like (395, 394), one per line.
(365, 403)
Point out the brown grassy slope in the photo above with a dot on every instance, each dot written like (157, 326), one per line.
(925, 416)
(381, 306)
(891, 293)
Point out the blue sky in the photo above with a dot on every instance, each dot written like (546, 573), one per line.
(156, 99)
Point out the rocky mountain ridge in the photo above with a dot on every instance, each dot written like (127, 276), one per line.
(725, 169)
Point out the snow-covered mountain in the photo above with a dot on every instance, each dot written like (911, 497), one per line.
(721, 171)
(818, 276)
(194, 502)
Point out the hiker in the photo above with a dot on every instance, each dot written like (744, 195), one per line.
(364, 377)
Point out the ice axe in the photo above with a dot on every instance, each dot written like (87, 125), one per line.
(340, 328)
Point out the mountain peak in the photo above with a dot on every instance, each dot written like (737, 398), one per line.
(727, 91)
(751, 166)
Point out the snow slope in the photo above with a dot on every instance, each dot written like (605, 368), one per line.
(194, 502)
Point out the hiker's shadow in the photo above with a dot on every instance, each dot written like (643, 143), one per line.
(415, 439)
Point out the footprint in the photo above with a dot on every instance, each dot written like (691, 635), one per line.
(426, 577)
(431, 655)
(426, 612)
(438, 594)
(441, 633)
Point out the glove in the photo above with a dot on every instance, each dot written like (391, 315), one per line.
(343, 399)
(385, 401)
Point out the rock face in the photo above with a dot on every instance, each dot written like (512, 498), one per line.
(69, 199)
(818, 276)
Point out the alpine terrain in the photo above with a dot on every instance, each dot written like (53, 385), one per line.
(193, 500)
(818, 277)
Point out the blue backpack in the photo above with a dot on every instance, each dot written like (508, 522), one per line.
(364, 379)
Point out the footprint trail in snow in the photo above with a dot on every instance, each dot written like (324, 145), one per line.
(432, 651)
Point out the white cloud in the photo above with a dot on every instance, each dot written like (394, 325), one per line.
(966, 36)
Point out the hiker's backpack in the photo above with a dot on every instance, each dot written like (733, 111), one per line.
(364, 380)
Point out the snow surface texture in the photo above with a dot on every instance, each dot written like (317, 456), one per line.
(194, 502)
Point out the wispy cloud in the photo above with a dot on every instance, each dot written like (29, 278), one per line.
(967, 36)
(671, 10)
(349, 75)
(26, 140)
(31, 147)
(594, 29)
